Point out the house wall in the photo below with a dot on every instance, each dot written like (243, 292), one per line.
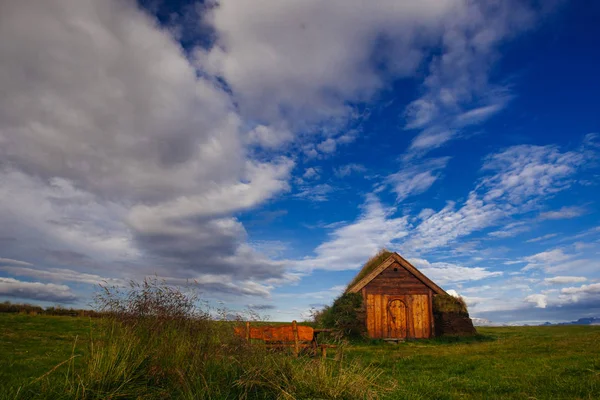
(398, 304)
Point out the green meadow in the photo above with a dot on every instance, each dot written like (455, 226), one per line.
(72, 357)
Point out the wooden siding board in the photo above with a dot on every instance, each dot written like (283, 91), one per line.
(370, 316)
(431, 320)
(385, 317)
(401, 284)
(378, 310)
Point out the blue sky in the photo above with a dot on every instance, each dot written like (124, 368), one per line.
(264, 151)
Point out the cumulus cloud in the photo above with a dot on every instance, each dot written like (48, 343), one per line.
(304, 61)
(10, 287)
(582, 295)
(540, 300)
(118, 153)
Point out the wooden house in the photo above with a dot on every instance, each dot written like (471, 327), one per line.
(397, 297)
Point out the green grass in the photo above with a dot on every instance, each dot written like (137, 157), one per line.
(561, 362)
(30, 346)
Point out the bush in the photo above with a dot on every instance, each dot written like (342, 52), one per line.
(345, 315)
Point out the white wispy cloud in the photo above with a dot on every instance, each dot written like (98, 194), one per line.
(62, 275)
(561, 280)
(350, 245)
(543, 237)
(51, 292)
(564, 213)
(445, 273)
(416, 178)
(458, 91)
(10, 261)
(317, 193)
(348, 169)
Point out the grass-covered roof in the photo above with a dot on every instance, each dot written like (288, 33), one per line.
(370, 265)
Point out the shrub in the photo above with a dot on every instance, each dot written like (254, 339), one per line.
(344, 315)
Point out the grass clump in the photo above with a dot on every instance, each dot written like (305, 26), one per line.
(370, 265)
(445, 303)
(154, 342)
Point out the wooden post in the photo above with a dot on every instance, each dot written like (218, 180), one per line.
(248, 332)
(296, 344)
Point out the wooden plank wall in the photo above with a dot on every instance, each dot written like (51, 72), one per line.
(404, 286)
(397, 282)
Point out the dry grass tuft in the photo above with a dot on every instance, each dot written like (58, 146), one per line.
(370, 265)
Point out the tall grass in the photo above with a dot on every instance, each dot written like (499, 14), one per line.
(155, 343)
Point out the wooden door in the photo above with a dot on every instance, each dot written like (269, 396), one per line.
(396, 319)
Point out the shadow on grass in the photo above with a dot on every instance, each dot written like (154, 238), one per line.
(437, 341)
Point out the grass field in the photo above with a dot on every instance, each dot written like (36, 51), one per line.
(561, 362)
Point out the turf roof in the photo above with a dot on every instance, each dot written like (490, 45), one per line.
(370, 265)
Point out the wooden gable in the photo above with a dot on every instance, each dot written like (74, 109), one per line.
(395, 273)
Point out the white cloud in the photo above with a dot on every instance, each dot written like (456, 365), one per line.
(350, 245)
(545, 259)
(561, 280)
(348, 169)
(458, 91)
(117, 152)
(269, 137)
(416, 179)
(311, 173)
(304, 61)
(521, 178)
(581, 294)
(62, 275)
(10, 287)
(541, 238)
(588, 289)
(524, 172)
(564, 213)
(444, 273)
(318, 192)
(14, 262)
(540, 300)
(510, 230)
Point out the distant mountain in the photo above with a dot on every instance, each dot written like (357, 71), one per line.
(580, 321)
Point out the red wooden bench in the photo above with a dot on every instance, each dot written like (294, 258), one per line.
(294, 336)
